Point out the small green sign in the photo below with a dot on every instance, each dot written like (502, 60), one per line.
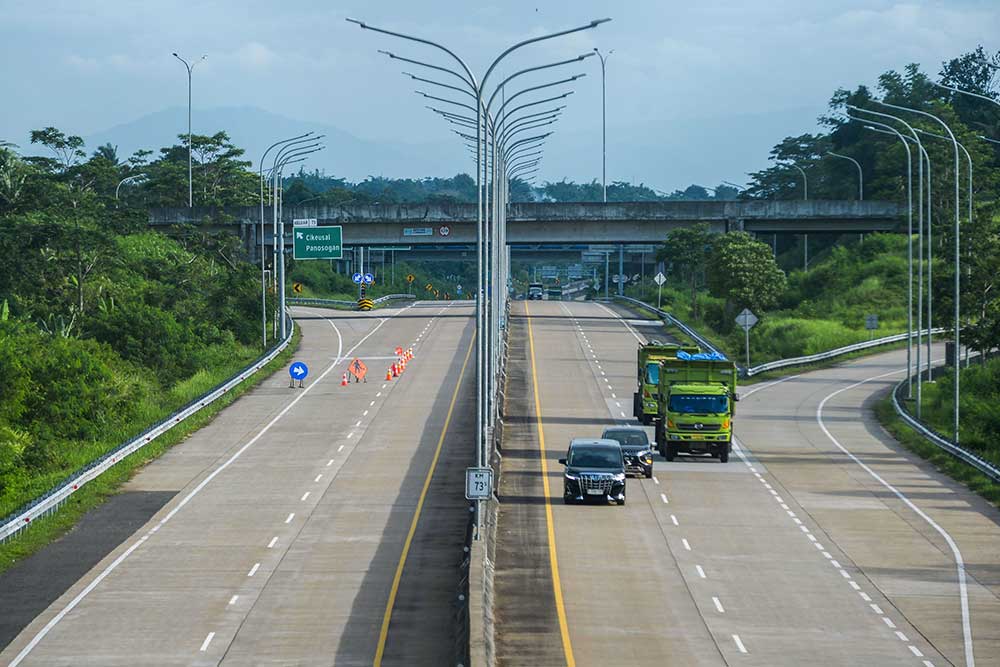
(317, 242)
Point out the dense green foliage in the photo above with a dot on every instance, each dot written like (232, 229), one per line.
(810, 311)
(317, 188)
(980, 422)
(106, 327)
(319, 280)
(883, 161)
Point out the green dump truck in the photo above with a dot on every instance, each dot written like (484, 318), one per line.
(696, 403)
(645, 405)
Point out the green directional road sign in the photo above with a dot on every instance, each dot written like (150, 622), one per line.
(317, 242)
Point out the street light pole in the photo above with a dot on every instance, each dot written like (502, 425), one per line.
(861, 174)
(604, 122)
(190, 68)
(957, 251)
(263, 280)
(909, 250)
(922, 156)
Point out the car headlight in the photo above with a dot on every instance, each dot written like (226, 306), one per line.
(620, 477)
(644, 454)
(570, 477)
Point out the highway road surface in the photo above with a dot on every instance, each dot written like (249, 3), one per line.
(821, 542)
(309, 526)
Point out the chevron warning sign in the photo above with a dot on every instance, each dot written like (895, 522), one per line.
(365, 304)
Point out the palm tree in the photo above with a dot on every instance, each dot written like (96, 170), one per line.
(108, 152)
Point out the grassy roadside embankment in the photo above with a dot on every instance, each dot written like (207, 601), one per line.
(49, 528)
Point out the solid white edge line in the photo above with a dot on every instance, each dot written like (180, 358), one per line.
(970, 660)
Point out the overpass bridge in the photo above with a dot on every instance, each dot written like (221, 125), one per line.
(549, 223)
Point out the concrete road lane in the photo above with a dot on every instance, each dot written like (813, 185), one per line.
(790, 554)
(294, 506)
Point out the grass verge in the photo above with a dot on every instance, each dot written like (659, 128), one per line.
(945, 463)
(49, 528)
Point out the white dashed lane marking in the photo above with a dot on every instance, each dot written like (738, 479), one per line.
(208, 640)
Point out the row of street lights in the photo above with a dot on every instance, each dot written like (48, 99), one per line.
(501, 154)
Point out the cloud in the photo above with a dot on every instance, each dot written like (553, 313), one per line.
(254, 55)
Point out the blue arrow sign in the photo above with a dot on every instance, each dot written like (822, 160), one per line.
(369, 278)
(298, 371)
(357, 278)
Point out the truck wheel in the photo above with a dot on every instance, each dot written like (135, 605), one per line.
(724, 454)
(637, 406)
(671, 452)
(621, 502)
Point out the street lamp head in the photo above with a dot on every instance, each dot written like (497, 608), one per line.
(387, 53)
(597, 22)
(174, 54)
(359, 23)
(587, 55)
(578, 76)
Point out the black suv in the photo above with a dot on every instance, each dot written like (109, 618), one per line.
(635, 448)
(595, 470)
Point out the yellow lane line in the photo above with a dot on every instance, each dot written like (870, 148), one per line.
(553, 558)
(387, 616)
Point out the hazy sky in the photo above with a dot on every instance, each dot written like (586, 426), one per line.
(697, 91)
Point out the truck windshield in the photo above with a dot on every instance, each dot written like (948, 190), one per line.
(595, 457)
(698, 404)
(653, 373)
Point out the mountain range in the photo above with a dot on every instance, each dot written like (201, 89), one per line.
(255, 129)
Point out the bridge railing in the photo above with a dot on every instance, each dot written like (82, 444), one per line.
(50, 501)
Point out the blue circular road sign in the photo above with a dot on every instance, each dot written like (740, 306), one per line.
(369, 278)
(298, 370)
(357, 278)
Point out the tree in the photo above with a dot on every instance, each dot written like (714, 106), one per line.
(744, 273)
(68, 149)
(221, 178)
(686, 252)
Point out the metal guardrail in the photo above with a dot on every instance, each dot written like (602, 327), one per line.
(980, 464)
(830, 354)
(691, 333)
(302, 301)
(55, 497)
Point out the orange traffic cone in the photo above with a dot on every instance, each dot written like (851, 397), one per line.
(388, 374)
(395, 370)
(343, 380)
